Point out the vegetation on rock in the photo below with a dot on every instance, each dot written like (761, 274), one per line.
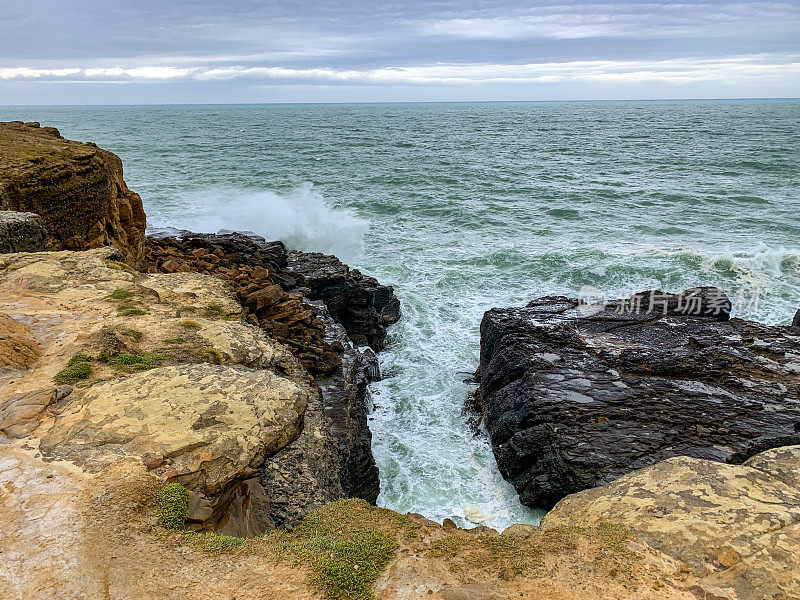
(173, 501)
(77, 368)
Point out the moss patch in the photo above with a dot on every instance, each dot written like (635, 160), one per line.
(133, 362)
(131, 311)
(212, 542)
(188, 324)
(120, 294)
(215, 311)
(173, 501)
(77, 368)
(344, 556)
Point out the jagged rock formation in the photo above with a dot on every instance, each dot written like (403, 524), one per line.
(76, 188)
(22, 232)
(362, 305)
(274, 289)
(575, 396)
(737, 527)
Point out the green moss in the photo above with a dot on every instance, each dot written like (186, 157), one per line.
(175, 341)
(120, 294)
(209, 354)
(173, 501)
(78, 358)
(116, 265)
(132, 362)
(212, 542)
(215, 311)
(187, 324)
(77, 368)
(132, 311)
(345, 561)
(132, 333)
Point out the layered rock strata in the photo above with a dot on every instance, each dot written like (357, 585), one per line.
(575, 396)
(76, 188)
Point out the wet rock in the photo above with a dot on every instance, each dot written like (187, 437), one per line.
(22, 232)
(796, 320)
(575, 396)
(362, 305)
(77, 189)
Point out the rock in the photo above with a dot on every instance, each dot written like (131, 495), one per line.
(209, 425)
(18, 346)
(76, 188)
(362, 305)
(575, 396)
(796, 320)
(19, 414)
(22, 232)
(346, 402)
(736, 526)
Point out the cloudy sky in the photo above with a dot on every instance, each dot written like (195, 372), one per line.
(153, 51)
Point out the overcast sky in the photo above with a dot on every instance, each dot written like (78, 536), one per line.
(150, 51)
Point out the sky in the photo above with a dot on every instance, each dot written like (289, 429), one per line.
(154, 52)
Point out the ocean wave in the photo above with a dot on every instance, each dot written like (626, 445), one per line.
(302, 218)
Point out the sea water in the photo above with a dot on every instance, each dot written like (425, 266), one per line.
(463, 207)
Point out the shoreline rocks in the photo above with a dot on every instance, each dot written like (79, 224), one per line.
(575, 396)
(76, 188)
(322, 310)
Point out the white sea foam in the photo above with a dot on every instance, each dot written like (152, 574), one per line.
(302, 218)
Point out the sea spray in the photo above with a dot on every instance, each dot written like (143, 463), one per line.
(300, 217)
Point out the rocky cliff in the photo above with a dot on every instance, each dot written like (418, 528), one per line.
(76, 188)
(575, 396)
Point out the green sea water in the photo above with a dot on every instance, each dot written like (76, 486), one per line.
(463, 207)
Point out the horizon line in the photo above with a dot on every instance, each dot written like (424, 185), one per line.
(334, 102)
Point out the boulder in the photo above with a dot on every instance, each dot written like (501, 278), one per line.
(205, 426)
(22, 232)
(575, 396)
(736, 526)
(796, 320)
(18, 345)
(76, 188)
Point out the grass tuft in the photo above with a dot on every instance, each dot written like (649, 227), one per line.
(120, 294)
(188, 324)
(345, 561)
(212, 542)
(215, 311)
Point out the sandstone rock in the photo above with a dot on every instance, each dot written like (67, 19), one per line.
(22, 232)
(19, 413)
(736, 526)
(206, 426)
(576, 396)
(76, 188)
(18, 347)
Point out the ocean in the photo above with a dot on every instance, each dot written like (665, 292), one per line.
(463, 207)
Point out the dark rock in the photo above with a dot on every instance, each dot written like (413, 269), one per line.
(796, 320)
(362, 305)
(22, 232)
(574, 396)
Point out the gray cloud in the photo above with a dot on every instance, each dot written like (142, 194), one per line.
(246, 50)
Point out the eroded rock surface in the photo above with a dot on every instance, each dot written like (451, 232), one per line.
(574, 396)
(76, 188)
(736, 526)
